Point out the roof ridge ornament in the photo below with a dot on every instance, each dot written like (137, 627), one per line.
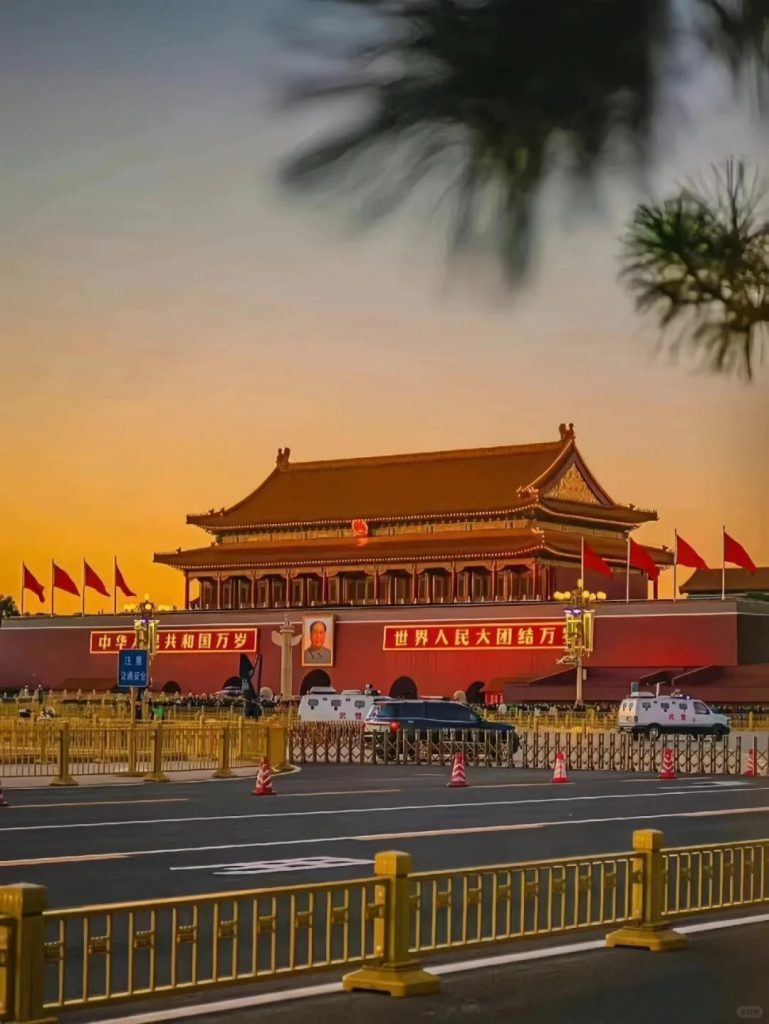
(567, 432)
(281, 460)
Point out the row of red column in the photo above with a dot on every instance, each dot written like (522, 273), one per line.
(542, 581)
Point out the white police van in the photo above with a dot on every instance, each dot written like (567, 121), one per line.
(648, 714)
(324, 704)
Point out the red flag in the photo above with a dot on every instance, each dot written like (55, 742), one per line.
(120, 583)
(30, 582)
(63, 581)
(91, 580)
(640, 558)
(592, 560)
(737, 555)
(686, 555)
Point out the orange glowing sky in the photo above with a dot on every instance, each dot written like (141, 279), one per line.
(170, 317)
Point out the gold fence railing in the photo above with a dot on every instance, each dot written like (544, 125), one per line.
(55, 960)
(721, 876)
(62, 750)
(350, 743)
(605, 721)
(122, 951)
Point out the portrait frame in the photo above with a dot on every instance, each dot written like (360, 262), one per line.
(321, 660)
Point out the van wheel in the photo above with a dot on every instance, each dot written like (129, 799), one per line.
(655, 732)
(719, 732)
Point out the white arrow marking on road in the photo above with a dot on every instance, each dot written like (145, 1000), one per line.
(274, 867)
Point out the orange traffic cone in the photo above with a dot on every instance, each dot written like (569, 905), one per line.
(263, 785)
(3, 801)
(750, 771)
(559, 769)
(668, 765)
(458, 771)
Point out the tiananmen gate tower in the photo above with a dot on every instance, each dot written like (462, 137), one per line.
(476, 525)
(427, 573)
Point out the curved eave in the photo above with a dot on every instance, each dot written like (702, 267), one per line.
(624, 517)
(618, 559)
(616, 515)
(177, 561)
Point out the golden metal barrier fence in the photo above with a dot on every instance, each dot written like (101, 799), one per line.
(604, 721)
(61, 750)
(89, 956)
(120, 951)
(350, 743)
(720, 876)
(480, 906)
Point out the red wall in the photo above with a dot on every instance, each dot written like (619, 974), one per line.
(643, 635)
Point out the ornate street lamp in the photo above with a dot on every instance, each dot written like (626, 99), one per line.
(146, 630)
(579, 630)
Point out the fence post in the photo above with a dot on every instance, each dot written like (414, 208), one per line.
(395, 970)
(64, 778)
(224, 771)
(22, 937)
(156, 775)
(647, 929)
(276, 747)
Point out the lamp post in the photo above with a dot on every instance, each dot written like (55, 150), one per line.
(146, 630)
(579, 630)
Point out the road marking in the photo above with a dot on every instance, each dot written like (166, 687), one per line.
(286, 864)
(573, 797)
(102, 803)
(225, 1006)
(341, 792)
(519, 826)
(74, 859)
(730, 784)
(567, 821)
(513, 785)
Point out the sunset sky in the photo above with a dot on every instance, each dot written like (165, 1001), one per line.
(171, 316)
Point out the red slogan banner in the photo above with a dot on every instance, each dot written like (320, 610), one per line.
(179, 641)
(477, 636)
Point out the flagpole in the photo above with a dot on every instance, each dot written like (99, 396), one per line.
(723, 563)
(675, 565)
(52, 590)
(582, 561)
(114, 586)
(22, 590)
(627, 573)
(82, 593)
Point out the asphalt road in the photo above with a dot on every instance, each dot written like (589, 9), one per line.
(720, 978)
(148, 841)
(326, 823)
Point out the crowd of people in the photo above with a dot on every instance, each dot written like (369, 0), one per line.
(33, 702)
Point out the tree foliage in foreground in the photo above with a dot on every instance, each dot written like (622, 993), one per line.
(8, 607)
(699, 264)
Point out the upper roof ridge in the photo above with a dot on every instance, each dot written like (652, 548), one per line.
(435, 456)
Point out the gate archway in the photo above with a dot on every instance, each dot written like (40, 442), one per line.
(404, 688)
(316, 677)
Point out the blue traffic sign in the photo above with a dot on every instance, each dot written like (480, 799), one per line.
(133, 669)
